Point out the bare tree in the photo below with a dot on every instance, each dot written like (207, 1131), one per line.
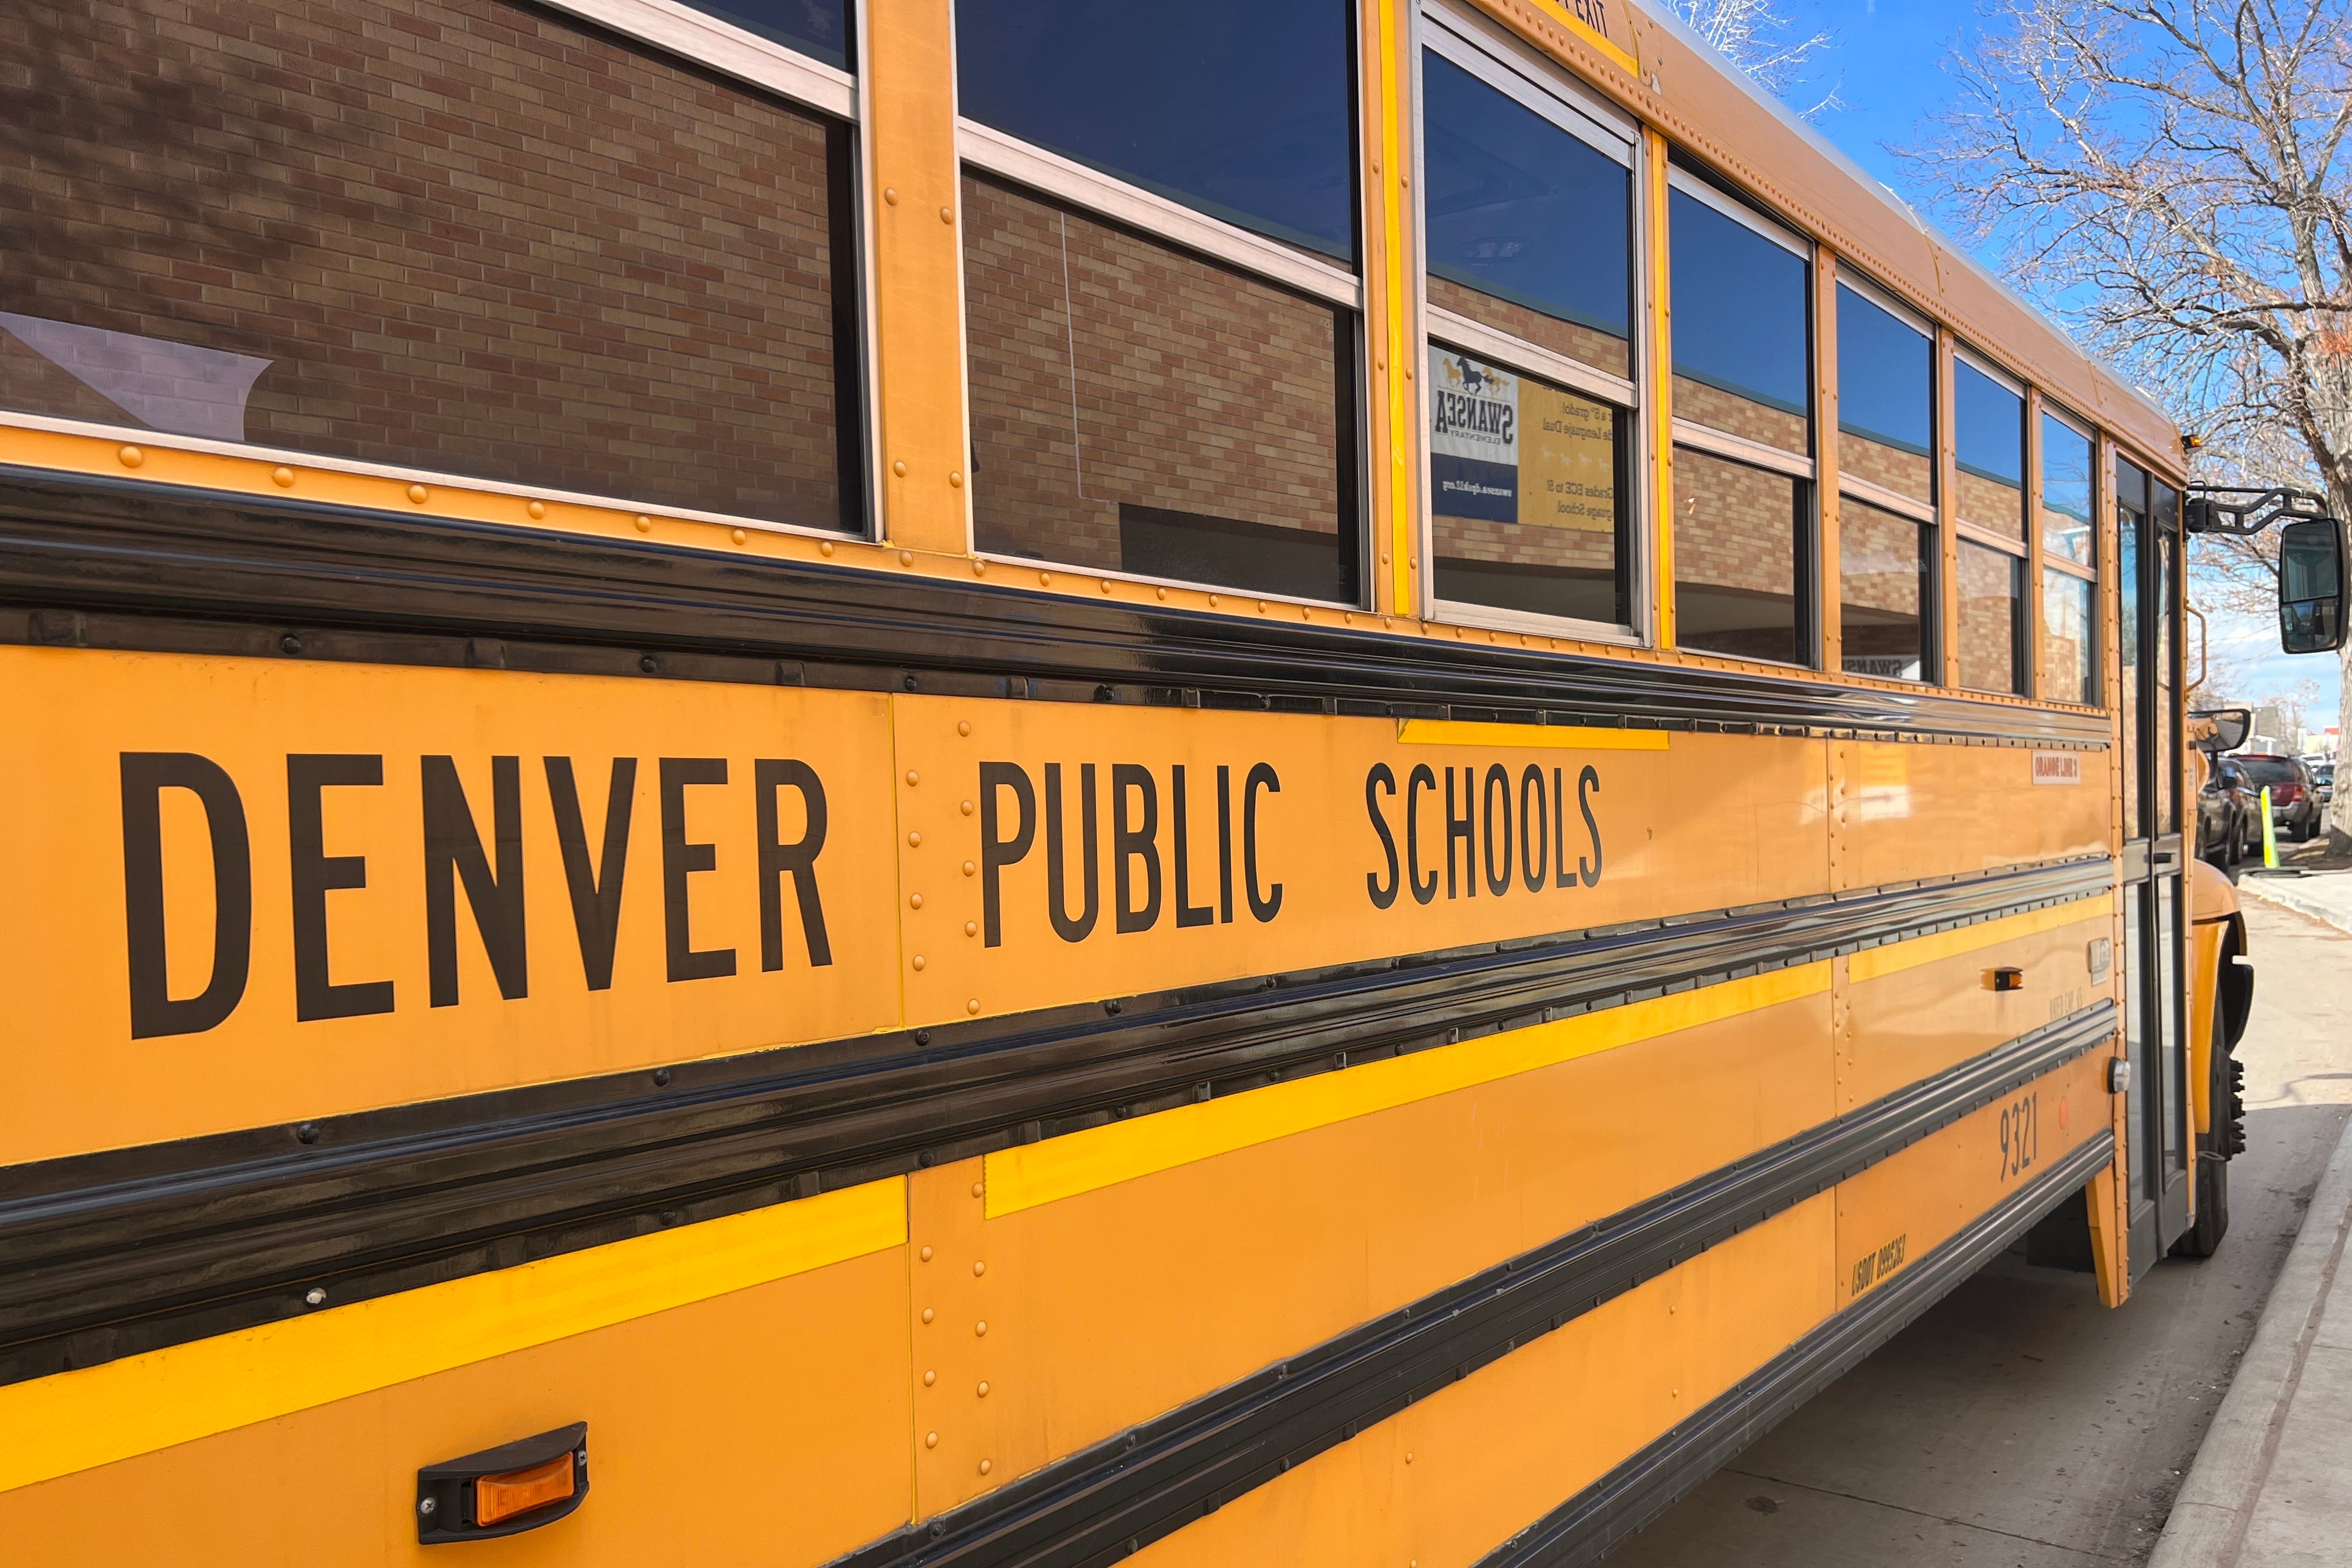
(1762, 42)
(2169, 176)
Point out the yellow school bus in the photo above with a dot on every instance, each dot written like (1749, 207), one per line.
(1032, 782)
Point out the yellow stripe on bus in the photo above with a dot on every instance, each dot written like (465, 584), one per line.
(1043, 1172)
(56, 1426)
(1872, 962)
(1527, 737)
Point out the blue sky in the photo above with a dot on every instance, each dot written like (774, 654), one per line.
(1887, 67)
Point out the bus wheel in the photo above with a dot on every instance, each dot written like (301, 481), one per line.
(2215, 1150)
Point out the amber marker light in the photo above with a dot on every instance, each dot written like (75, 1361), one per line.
(501, 1496)
(504, 1491)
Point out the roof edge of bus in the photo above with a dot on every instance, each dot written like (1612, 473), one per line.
(2157, 428)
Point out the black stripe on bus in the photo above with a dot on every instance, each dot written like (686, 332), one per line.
(109, 1254)
(1108, 1500)
(1584, 1528)
(96, 561)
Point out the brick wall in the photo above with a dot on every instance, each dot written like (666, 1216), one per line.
(1988, 618)
(1905, 473)
(1582, 344)
(1878, 584)
(1735, 557)
(2066, 610)
(1991, 505)
(467, 236)
(1151, 379)
(1736, 415)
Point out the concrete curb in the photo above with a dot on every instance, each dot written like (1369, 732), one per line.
(2289, 892)
(2216, 1500)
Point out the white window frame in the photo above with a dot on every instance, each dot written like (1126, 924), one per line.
(992, 152)
(1865, 489)
(1545, 89)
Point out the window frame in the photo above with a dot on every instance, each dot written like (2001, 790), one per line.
(997, 155)
(2089, 433)
(1544, 87)
(1761, 455)
(697, 38)
(2021, 547)
(1868, 490)
(2048, 562)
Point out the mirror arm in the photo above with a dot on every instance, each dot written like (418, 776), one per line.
(2203, 635)
(2224, 509)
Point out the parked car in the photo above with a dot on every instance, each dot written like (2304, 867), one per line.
(2323, 774)
(2226, 816)
(2294, 798)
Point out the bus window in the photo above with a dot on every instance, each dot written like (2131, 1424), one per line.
(1738, 534)
(1152, 392)
(1529, 212)
(818, 29)
(1886, 566)
(1743, 468)
(1741, 323)
(663, 316)
(1529, 228)
(1527, 493)
(1888, 555)
(1988, 425)
(2069, 575)
(1137, 409)
(1133, 91)
(1886, 415)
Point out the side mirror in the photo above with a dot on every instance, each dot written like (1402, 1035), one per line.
(2311, 586)
(2214, 730)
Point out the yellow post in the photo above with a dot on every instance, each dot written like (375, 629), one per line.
(2270, 834)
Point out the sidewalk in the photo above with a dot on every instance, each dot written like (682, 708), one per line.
(2325, 894)
(2271, 1485)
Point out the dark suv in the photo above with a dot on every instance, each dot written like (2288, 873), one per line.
(2227, 815)
(2295, 796)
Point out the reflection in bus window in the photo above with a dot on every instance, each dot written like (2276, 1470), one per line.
(1135, 408)
(1989, 437)
(1989, 432)
(1988, 606)
(2069, 581)
(1886, 374)
(819, 28)
(2067, 668)
(1239, 108)
(1885, 569)
(1527, 493)
(1528, 227)
(663, 316)
(1739, 327)
(2065, 491)
(1739, 532)
(2131, 522)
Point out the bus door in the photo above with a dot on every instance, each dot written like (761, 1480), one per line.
(2155, 864)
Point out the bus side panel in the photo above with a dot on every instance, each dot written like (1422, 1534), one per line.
(249, 781)
(1447, 1480)
(768, 1424)
(1228, 843)
(1912, 811)
(1106, 1307)
(1903, 1207)
(1910, 1020)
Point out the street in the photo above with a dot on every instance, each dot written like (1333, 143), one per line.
(2019, 1425)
